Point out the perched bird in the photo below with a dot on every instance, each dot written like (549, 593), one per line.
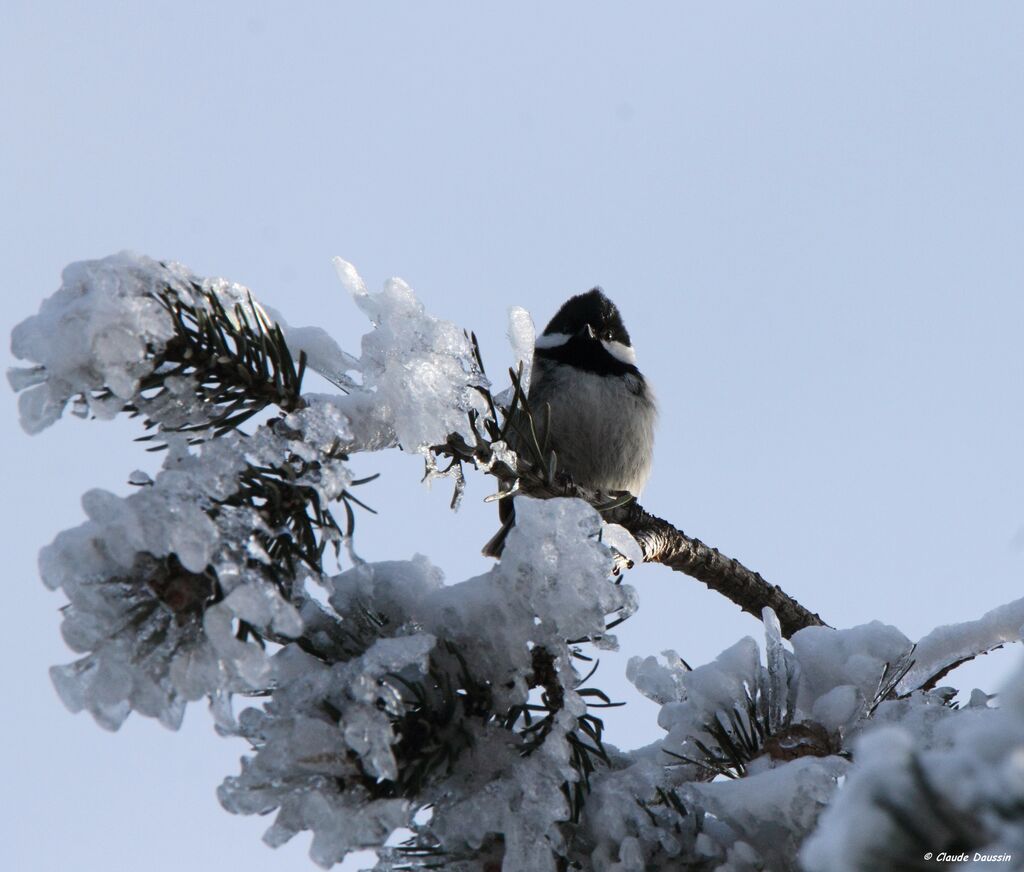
(589, 402)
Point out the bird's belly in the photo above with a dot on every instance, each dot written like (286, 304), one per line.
(600, 429)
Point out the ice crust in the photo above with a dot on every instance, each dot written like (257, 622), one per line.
(831, 678)
(323, 354)
(96, 337)
(521, 336)
(143, 653)
(92, 334)
(421, 369)
(554, 583)
(948, 645)
(957, 783)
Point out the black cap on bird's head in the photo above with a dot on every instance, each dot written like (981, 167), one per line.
(594, 310)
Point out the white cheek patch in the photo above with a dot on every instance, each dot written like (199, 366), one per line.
(551, 340)
(622, 353)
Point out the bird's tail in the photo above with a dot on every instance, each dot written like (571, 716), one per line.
(507, 514)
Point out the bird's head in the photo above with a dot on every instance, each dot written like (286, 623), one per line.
(589, 318)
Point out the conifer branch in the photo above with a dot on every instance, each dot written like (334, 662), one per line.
(223, 364)
(238, 359)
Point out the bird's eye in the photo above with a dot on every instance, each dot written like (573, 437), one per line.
(608, 335)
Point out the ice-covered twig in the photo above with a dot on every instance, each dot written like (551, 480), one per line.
(947, 647)
(131, 334)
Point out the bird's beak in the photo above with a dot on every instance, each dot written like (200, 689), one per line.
(586, 331)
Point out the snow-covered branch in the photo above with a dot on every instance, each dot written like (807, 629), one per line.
(383, 700)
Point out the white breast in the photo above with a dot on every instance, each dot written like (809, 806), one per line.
(602, 427)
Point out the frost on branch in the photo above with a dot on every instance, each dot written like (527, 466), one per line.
(737, 782)
(129, 334)
(421, 370)
(448, 727)
(93, 334)
(946, 647)
(172, 589)
(381, 703)
(947, 780)
(754, 753)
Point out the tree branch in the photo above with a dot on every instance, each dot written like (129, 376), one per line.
(663, 543)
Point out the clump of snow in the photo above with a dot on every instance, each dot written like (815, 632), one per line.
(843, 671)
(957, 787)
(322, 741)
(421, 369)
(949, 645)
(798, 709)
(143, 573)
(521, 336)
(662, 683)
(323, 354)
(94, 333)
(102, 332)
(622, 541)
(768, 812)
(553, 584)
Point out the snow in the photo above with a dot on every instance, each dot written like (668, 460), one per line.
(136, 617)
(948, 645)
(521, 335)
(928, 777)
(323, 354)
(621, 540)
(556, 570)
(661, 683)
(98, 335)
(421, 369)
(768, 813)
(92, 334)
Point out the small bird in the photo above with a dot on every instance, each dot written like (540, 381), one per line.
(597, 407)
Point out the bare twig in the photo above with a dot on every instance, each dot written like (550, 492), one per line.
(663, 543)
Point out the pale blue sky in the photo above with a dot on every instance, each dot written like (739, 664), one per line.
(809, 214)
